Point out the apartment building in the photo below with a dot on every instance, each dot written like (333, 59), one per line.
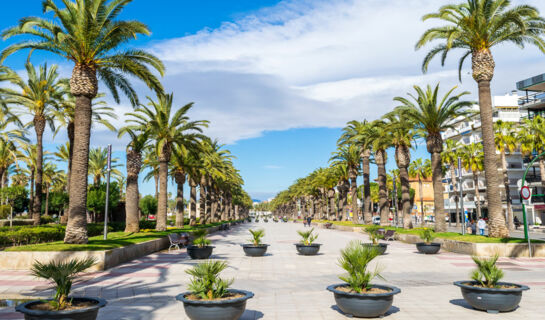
(467, 131)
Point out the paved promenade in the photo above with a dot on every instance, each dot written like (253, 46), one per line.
(289, 286)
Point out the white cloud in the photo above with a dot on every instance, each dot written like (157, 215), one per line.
(309, 64)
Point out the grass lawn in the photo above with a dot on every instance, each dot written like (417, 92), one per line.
(115, 240)
(443, 235)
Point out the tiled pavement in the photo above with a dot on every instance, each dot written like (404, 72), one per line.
(289, 286)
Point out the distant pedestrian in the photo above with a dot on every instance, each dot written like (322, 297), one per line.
(481, 224)
(473, 227)
(309, 220)
(517, 223)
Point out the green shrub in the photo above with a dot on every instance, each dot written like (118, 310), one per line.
(5, 211)
(355, 259)
(206, 284)
(307, 237)
(373, 233)
(45, 219)
(487, 273)
(200, 238)
(31, 235)
(148, 205)
(427, 235)
(256, 236)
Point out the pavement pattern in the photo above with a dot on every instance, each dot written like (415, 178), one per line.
(287, 285)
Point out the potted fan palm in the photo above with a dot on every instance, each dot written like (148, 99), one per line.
(209, 296)
(358, 296)
(265, 220)
(375, 236)
(200, 249)
(306, 246)
(486, 292)
(255, 248)
(428, 247)
(62, 305)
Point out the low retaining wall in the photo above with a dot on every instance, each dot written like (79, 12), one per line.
(513, 250)
(23, 260)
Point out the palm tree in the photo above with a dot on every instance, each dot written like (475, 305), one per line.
(401, 135)
(168, 129)
(450, 157)
(359, 133)
(422, 171)
(432, 116)
(473, 159)
(381, 141)
(475, 27)
(87, 33)
(349, 154)
(506, 142)
(39, 95)
(28, 156)
(532, 140)
(98, 165)
(8, 156)
(138, 142)
(51, 176)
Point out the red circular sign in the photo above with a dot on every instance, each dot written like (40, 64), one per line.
(525, 193)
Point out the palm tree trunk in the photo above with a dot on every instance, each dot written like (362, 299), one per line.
(542, 171)
(192, 202)
(496, 223)
(76, 229)
(31, 202)
(455, 188)
(405, 197)
(70, 131)
(180, 180)
(354, 196)
(510, 222)
(367, 214)
(46, 200)
(202, 200)
(132, 210)
(156, 179)
(421, 194)
(380, 159)
(208, 203)
(163, 193)
(39, 126)
(438, 201)
(477, 194)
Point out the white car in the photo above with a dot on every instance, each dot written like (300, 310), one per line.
(376, 220)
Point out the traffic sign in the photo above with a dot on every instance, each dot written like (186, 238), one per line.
(525, 193)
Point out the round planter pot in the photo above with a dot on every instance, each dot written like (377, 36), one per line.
(215, 310)
(89, 313)
(381, 247)
(309, 250)
(492, 300)
(196, 252)
(428, 248)
(255, 251)
(364, 305)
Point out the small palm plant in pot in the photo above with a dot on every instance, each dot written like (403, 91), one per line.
(255, 248)
(62, 305)
(358, 296)
(306, 246)
(201, 248)
(375, 236)
(428, 246)
(209, 296)
(486, 292)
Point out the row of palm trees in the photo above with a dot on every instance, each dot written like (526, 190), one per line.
(89, 34)
(474, 26)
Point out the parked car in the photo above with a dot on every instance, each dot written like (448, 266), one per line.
(376, 220)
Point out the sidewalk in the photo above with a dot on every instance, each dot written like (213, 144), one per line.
(289, 286)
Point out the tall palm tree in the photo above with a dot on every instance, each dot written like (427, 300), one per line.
(382, 140)
(8, 156)
(506, 142)
(359, 133)
(532, 139)
(349, 154)
(137, 143)
(40, 93)
(401, 135)
(422, 171)
(473, 159)
(167, 128)
(88, 33)
(450, 157)
(432, 116)
(98, 165)
(51, 175)
(475, 26)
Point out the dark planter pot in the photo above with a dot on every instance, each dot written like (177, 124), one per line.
(89, 313)
(492, 300)
(196, 252)
(215, 310)
(255, 251)
(364, 305)
(381, 247)
(309, 250)
(428, 248)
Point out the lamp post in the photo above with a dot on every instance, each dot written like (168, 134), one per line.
(107, 191)
(394, 198)
(461, 195)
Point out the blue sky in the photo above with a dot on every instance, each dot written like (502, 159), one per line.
(279, 79)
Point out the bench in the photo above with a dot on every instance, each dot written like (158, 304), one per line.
(389, 235)
(328, 225)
